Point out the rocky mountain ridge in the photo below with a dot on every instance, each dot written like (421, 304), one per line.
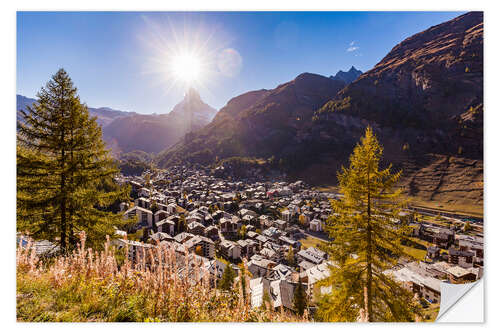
(153, 133)
(104, 115)
(257, 123)
(129, 131)
(349, 76)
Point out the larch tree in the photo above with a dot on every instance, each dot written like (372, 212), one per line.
(366, 235)
(65, 175)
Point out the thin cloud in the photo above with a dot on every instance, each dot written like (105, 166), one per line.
(352, 47)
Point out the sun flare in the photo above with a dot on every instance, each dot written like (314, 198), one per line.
(195, 56)
(186, 67)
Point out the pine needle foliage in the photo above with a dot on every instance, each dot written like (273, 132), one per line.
(64, 173)
(366, 241)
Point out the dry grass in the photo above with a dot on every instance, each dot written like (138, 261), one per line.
(92, 286)
(326, 188)
(476, 211)
(430, 314)
(310, 241)
(415, 253)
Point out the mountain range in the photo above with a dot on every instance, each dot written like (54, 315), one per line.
(104, 115)
(129, 131)
(152, 133)
(424, 100)
(349, 76)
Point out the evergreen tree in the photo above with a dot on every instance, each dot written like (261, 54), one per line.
(366, 241)
(266, 300)
(290, 257)
(243, 232)
(227, 280)
(181, 224)
(299, 299)
(64, 173)
(243, 282)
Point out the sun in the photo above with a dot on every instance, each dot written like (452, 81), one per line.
(186, 67)
(183, 55)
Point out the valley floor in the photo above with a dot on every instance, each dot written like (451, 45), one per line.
(469, 210)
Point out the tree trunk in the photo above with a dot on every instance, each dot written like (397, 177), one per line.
(63, 205)
(63, 178)
(369, 277)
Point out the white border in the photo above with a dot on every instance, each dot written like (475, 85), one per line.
(8, 70)
(462, 311)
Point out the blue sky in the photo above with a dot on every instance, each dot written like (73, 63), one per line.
(116, 59)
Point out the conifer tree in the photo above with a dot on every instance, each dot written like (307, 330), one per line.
(290, 257)
(243, 279)
(266, 300)
(227, 280)
(366, 241)
(181, 225)
(299, 299)
(243, 232)
(64, 173)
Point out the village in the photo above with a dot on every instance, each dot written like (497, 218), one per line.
(277, 229)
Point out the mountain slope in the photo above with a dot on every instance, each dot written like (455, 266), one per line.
(153, 133)
(258, 123)
(424, 100)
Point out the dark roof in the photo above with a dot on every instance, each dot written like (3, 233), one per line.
(459, 253)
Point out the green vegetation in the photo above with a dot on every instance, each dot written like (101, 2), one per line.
(133, 168)
(414, 253)
(243, 232)
(135, 162)
(430, 314)
(366, 242)
(137, 155)
(227, 280)
(300, 299)
(335, 106)
(64, 173)
(415, 248)
(243, 280)
(266, 300)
